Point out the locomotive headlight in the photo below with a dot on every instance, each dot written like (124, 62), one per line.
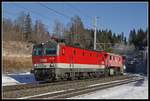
(35, 65)
(51, 65)
(124, 67)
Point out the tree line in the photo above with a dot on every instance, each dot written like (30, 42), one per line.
(138, 38)
(23, 29)
(77, 35)
(74, 33)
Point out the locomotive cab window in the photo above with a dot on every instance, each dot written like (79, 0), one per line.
(50, 48)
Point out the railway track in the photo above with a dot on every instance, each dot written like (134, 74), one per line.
(43, 84)
(44, 90)
(75, 92)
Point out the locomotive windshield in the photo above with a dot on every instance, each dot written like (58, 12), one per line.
(37, 51)
(49, 48)
(50, 51)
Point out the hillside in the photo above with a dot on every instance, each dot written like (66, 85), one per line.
(16, 56)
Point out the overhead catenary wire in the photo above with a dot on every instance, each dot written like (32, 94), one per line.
(39, 14)
(30, 11)
(80, 12)
(66, 16)
(51, 9)
(75, 8)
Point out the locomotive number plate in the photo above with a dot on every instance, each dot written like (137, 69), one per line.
(41, 66)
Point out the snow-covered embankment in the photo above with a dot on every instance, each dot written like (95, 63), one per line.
(14, 79)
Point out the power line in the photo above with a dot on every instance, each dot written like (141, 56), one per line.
(31, 11)
(54, 10)
(75, 8)
(35, 12)
(79, 11)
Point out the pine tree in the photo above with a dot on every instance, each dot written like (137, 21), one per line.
(125, 41)
(122, 37)
(27, 30)
(132, 37)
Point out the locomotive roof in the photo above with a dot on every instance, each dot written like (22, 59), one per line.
(49, 42)
(54, 42)
(114, 54)
(82, 48)
(46, 43)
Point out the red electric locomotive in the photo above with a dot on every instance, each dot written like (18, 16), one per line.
(55, 61)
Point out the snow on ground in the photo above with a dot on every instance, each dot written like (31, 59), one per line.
(135, 90)
(20, 78)
(6, 80)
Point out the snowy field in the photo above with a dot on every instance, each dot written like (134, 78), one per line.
(20, 78)
(135, 90)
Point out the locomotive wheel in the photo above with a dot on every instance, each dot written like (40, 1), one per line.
(68, 76)
(106, 73)
(37, 78)
(53, 77)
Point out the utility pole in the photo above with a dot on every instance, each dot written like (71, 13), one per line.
(95, 32)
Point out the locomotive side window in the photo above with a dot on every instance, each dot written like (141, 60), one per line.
(74, 52)
(110, 57)
(90, 54)
(105, 55)
(113, 57)
(63, 51)
(96, 55)
(119, 58)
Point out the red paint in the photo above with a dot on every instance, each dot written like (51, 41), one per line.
(68, 54)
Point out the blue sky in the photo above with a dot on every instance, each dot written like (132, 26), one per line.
(119, 17)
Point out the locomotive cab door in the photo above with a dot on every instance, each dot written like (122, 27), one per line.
(72, 67)
(106, 62)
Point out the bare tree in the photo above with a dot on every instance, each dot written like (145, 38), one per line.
(77, 31)
(40, 34)
(7, 28)
(19, 24)
(58, 30)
